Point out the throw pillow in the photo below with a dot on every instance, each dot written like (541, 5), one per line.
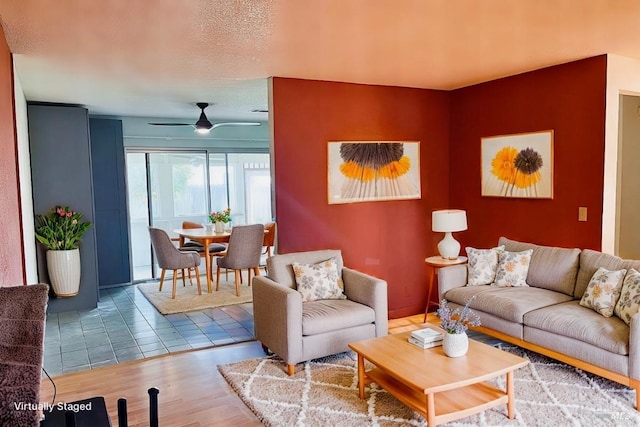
(482, 265)
(629, 303)
(512, 268)
(603, 291)
(318, 281)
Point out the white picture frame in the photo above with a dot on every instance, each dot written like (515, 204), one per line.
(365, 171)
(518, 166)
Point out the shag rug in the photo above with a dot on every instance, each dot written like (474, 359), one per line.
(22, 319)
(187, 298)
(325, 393)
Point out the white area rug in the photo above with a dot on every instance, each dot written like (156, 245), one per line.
(325, 393)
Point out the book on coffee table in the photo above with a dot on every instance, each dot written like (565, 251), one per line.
(427, 335)
(424, 345)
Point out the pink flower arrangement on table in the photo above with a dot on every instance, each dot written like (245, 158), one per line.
(221, 216)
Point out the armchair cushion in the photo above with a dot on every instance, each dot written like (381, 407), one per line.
(279, 267)
(318, 281)
(332, 315)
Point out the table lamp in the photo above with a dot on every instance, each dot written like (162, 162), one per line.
(448, 221)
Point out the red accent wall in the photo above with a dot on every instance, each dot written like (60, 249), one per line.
(11, 259)
(388, 239)
(568, 98)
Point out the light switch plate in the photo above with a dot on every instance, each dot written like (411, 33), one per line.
(582, 213)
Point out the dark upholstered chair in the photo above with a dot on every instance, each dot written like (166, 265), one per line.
(22, 322)
(170, 258)
(243, 251)
(190, 245)
(298, 331)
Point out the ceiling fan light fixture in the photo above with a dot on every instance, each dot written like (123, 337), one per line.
(203, 126)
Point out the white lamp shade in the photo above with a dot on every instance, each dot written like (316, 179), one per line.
(449, 220)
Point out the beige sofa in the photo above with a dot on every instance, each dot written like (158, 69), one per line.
(298, 331)
(547, 317)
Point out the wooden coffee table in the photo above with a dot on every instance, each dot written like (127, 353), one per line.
(440, 388)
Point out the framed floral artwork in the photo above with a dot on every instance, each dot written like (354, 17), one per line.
(518, 165)
(362, 171)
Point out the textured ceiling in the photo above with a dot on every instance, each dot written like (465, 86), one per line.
(156, 58)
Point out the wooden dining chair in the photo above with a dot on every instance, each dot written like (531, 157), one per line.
(243, 251)
(268, 244)
(170, 258)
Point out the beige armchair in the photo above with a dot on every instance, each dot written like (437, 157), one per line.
(298, 331)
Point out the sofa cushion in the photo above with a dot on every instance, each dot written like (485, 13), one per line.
(551, 268)
(280, 268)
(629, 303)
(507, 303)
(482, 265)
(331, 315)
(512, 268)
(572, 320)
(318, 281)
(603, 291)
(591, 260)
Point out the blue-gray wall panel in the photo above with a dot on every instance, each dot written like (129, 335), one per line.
(61, 175)
(112, 230)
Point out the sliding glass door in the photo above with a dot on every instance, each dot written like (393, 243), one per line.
(178, 185)
(166, 188)
(250, 202)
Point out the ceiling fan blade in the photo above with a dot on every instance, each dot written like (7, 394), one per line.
(204, 125)
(235, 124)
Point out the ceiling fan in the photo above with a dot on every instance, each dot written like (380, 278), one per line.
(203, 125)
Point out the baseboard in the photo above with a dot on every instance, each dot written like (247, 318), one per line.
(406, 312)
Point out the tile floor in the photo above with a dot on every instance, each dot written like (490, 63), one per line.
(125, 326)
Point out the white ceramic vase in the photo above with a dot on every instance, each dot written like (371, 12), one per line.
(455, 345)
(64, 272)
(218, 227)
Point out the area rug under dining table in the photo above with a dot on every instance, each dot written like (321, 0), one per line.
(187, 298)
(325, 393)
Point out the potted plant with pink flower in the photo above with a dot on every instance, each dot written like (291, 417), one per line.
(60, 231)
(219, 219)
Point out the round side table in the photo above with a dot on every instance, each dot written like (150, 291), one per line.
(436, 263)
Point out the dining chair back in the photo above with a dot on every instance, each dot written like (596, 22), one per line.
(190, 225)
(268, 244)
(269, 238)
(170, 258)
(243, 251)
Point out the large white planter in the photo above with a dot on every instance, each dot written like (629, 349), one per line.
(64, 272)
(219, 226)
(455, 345)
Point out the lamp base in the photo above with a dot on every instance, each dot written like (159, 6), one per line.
(449, 247)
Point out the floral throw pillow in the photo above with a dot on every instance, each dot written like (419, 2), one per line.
(603, 291)
(513, 268)
(482, 265)
(318, 281)
(629, 303)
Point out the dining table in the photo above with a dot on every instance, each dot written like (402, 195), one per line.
(206, 236)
